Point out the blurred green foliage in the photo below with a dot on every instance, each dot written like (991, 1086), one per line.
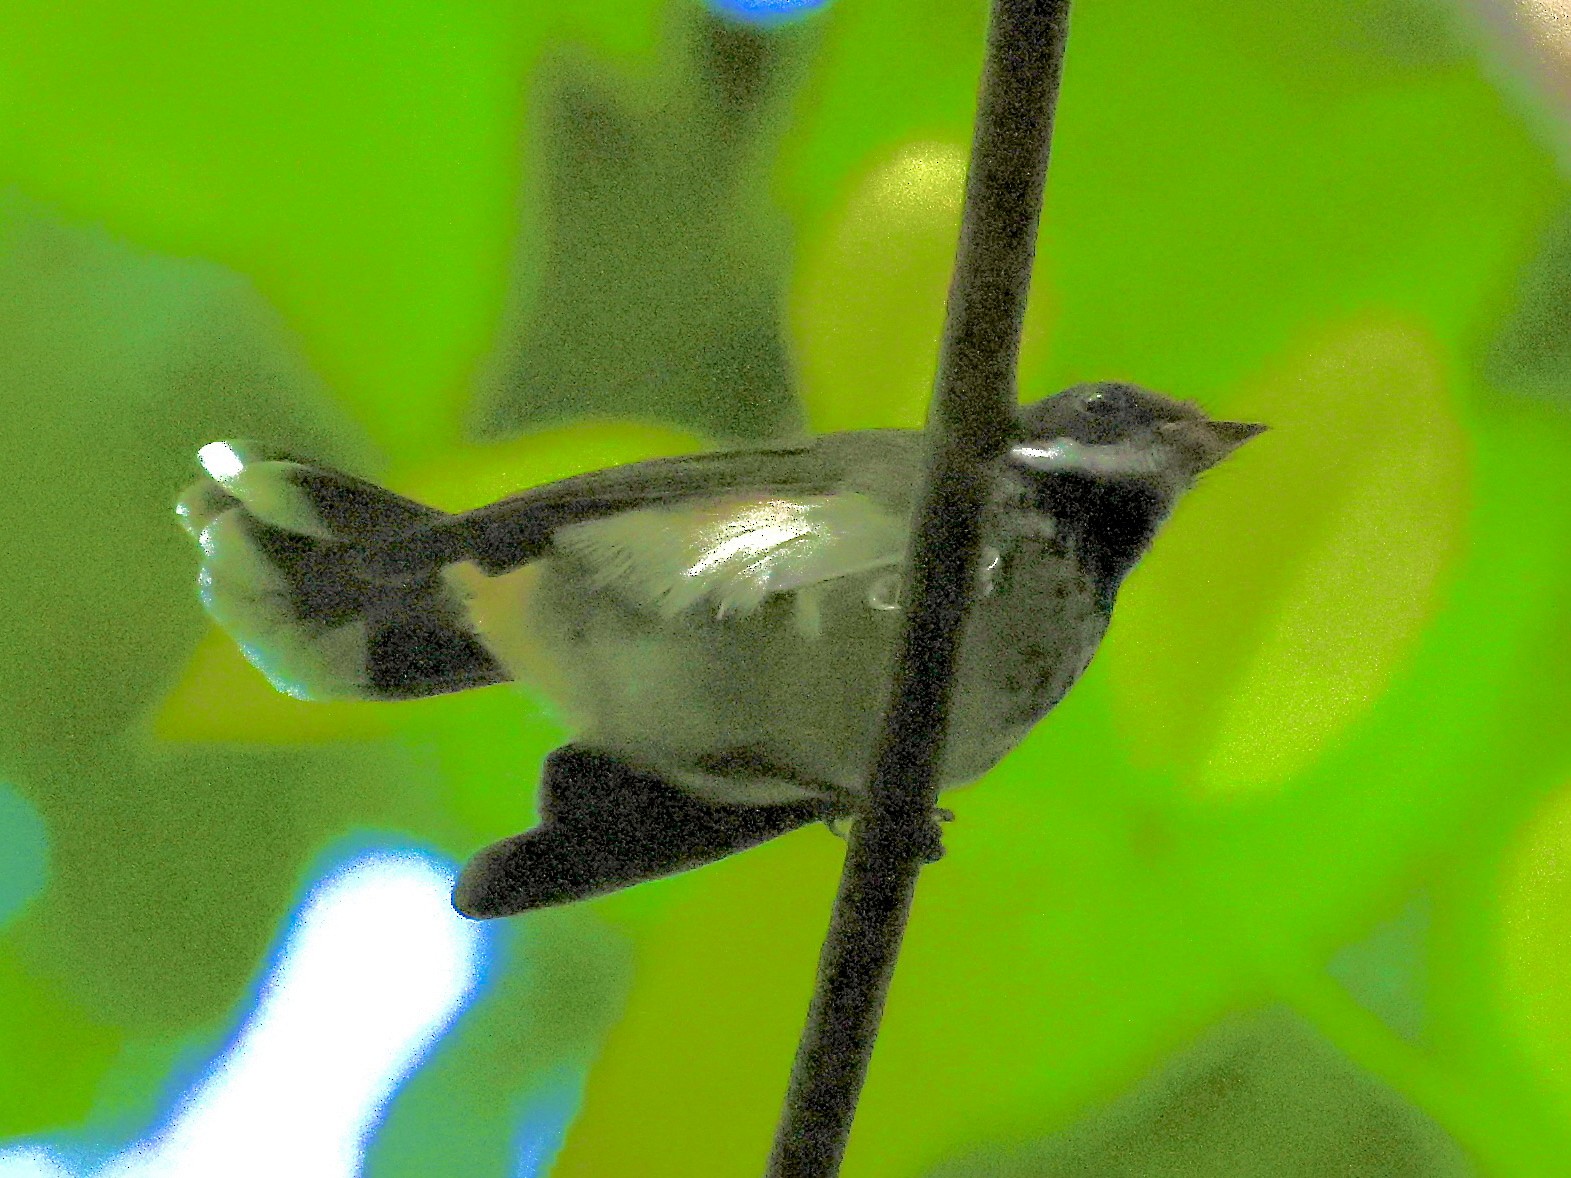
(1321, 766)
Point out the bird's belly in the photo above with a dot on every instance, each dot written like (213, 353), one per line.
(756, 708)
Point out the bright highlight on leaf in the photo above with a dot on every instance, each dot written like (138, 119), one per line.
(1535, 942)
(867, 303)
(1276, 609)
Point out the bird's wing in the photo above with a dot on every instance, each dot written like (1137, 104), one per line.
(735, 552)
(502, 536)
(511, 532)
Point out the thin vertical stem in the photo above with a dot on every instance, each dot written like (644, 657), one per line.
(973, 408)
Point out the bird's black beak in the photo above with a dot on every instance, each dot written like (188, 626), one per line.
(1236, 433)
(1212, 441)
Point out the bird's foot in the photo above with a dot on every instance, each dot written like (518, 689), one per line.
(840, 825)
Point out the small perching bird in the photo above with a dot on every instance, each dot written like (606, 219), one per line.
(717, 628)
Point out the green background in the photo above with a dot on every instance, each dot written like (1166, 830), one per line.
(1283, 888)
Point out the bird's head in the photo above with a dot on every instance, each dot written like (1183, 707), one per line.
(1110, 430)
(1109, 460)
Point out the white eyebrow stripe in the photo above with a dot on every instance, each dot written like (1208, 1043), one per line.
(1066, 454)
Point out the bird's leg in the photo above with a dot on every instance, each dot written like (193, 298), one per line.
(931, 839)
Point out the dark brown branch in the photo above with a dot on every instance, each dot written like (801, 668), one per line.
(973, 406)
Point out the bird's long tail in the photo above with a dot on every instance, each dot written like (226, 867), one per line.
(285, 546)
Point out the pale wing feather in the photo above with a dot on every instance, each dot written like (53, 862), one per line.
(734, 554)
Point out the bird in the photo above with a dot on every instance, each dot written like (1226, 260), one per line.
(717, 628)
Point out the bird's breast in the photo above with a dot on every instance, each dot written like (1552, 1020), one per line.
(1027, 642)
